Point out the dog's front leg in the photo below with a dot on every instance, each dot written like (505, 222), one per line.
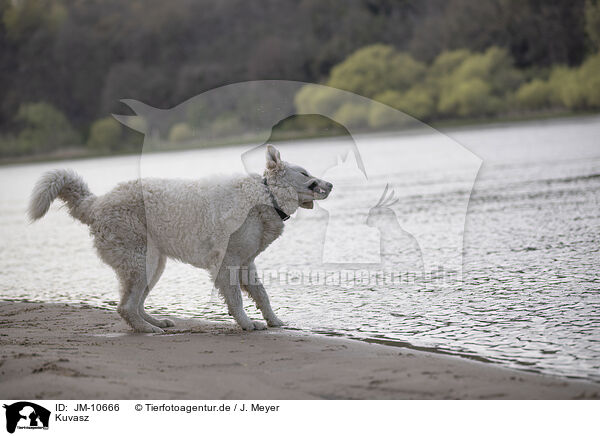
(229, 285)
(255, 288)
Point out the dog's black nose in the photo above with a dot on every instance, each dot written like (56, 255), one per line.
(329, 185)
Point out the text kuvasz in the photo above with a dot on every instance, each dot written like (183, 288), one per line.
(220, 225)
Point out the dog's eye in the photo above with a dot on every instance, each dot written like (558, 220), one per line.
(304, 173)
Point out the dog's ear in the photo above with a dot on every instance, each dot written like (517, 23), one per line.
(273, 157)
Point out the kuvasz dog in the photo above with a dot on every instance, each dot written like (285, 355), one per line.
(220, 225)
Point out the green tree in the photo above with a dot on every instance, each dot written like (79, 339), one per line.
(592, 22)
(9, 146)
(321, 100)
(472, 98)
(23, 18)
(563, 86)
(225, 126)
(494, 66)
(589, 78)
(418, 102)
(45, 128)
(180, 132)
(105, 134)
(375, 69)
(475, 84)
(537, 94)
(381, 117)
(447, 62)
(578, 88)
(353, 115)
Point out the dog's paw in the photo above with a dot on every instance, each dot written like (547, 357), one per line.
(165, 322)
(148, 328)
(254, 325)
(275, 322)
(249, 326)
(259, 325)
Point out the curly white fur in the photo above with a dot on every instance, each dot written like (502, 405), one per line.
(219, 225)
(66, 185)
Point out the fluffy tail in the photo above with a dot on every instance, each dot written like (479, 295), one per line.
(66, 185)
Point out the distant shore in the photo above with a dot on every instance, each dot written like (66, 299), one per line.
(447, 125)
(59, 351)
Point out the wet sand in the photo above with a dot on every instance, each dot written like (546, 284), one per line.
(58, 351)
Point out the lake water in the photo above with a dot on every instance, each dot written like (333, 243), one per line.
(524, 227)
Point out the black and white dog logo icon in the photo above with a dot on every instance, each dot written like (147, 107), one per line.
(26, 415)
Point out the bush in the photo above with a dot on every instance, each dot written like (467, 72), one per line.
(180, 132)
(469, 99)
(537, 94)
(375, 69)
(381, 116)
(45, 129)
(199, 113)
(319, 100)
(589, 79)
(391, 98)
(105, 134)
(417, 102)
(9, 146)
(569, 93)
(447, 62)
(226, 125)
(458, 83)
(494, 66)
(578, 88)
(353, 115)
(310, 124)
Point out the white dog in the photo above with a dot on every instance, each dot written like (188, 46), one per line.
(219, 225)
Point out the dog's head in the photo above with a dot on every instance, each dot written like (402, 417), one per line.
(307, 187)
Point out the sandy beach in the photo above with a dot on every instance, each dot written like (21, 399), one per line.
(58, 351)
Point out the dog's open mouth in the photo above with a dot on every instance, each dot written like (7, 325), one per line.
(318, 193)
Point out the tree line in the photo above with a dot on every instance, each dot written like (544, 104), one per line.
(65, 64)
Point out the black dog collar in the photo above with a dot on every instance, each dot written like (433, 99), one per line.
(284, 216)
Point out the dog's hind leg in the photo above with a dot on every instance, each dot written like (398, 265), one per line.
(133, 287)
(251, 283)
(228, 284)
(130, 265)
(155, 265)
(120, 236)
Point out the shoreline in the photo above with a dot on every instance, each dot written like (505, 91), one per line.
(446, 127)
(59, 351)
